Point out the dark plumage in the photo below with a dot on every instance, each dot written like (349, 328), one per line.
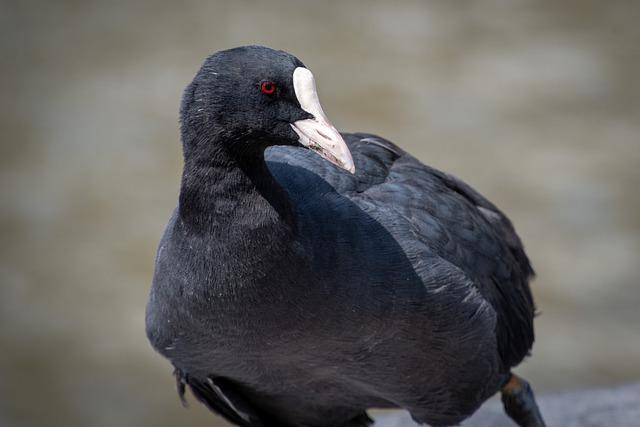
(293, 293)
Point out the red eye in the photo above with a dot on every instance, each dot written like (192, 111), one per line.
(268, 88)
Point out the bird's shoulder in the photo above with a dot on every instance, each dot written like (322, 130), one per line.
(400, 191)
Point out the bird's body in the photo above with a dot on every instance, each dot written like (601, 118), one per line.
(289, 292)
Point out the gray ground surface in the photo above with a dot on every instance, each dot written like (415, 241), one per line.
(619, 407)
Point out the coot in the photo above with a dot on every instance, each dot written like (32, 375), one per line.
(308, 275)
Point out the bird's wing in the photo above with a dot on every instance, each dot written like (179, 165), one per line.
(446, 218)
(221, 397)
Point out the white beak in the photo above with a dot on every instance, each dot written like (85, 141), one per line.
(317, 133)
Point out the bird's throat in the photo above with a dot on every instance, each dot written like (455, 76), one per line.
(229, 191)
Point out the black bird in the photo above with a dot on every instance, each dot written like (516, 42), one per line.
(294, 291)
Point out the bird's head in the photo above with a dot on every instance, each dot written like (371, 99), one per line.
(253, 97)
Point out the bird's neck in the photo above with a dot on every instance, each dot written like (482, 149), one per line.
(232, 191)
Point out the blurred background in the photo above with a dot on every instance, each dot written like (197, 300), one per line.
(535, 103)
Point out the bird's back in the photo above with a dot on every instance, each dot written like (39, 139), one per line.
(403, 216)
